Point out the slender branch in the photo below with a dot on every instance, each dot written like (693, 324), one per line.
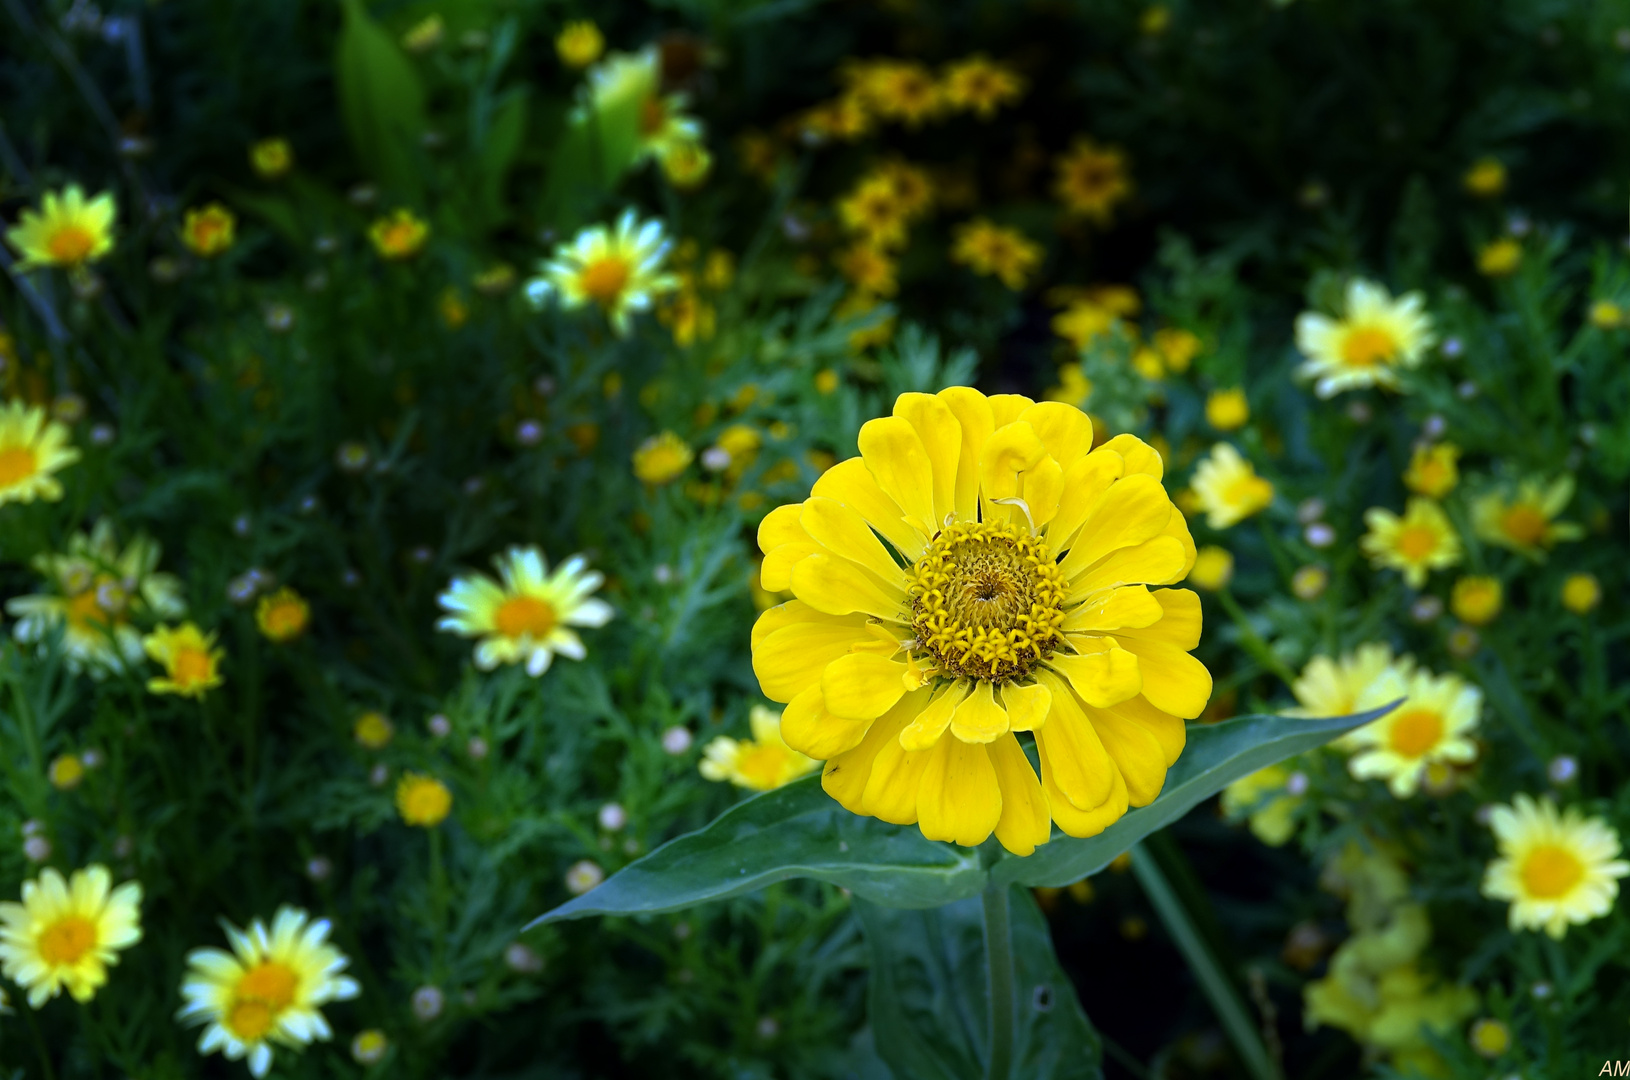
(999, 971)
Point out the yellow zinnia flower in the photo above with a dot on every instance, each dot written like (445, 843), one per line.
(67, 230)
(1526, 522)
(1433, 725)
(1581, 593)
(282, 615)
(527, 613)
(423, 801)
(1556, 869)
(191, 662)
(32, 449)
(1335, 687)
(399, 235)
(1421, 541)
(269, 989)
(993, 250)
(66, 934)
(979, 570)
(1476, 600)
(1092, 180)
(580, 44)
(271, 158)
(619, 269)
(1433, 470)
(761, 763)
(979, 85)
(1228, 488)
(1374, 337)
(1228, 410)
(209, 231)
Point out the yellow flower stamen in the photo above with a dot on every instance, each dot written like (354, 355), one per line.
(1415, 732)
(525, 616)
(603, 280)
(1551, 871)
(1368, 346)
(17, 463)
(70, 244)
(67, 940)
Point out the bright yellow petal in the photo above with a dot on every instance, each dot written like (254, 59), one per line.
(1173, 681)
(941, 436)
(1043, 487)
(1140, 457)
(853, 485)
(1082, 771)
(899, 462)
(891, 788)
(1007, 453)
(1084, 483)
(791, 660)
(958, 799)
(1083, 823)
(1115, 609)
(930, 724)
(1006, 408)
(808, 728)
(839, 587)
(1102, 674)
(979, 719)
(1026, 819)
(775, 572)
(1168, 730)
(1065, 430)
(862, 685)
(1136, 753)
(1179, 624)
(973, 414)
(1026, 706)
(780, 526)
(796, 611)
(1135, 509)
(846, 774)
(1159, 561)
(844, 532)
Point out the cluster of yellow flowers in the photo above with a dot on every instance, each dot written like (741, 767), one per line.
(1093, 313)
(890, 91)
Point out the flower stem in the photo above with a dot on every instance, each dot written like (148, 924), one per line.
(999, 969)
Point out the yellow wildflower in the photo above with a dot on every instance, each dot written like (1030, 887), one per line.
(191, 662)
(399, 235)
(209, 231)
(67, 230)
(1433, 470)
(1213, 568)
(1091, 180)
(980, 86)
(66, 772)
(1177, 348)
(423, 801)
(1581, 593)
(580, 44)
(620, 270)
(1557, 869)
(1228, 488)
(1486, 178)
(67, 933)
(662, 458)
(527, 613)
(1525, 522)
(993, 250)
(869, 269)
(1373, 339)
(1228, 410)
(1329, 687)
(1263, 800)
(1606, 315)
(1420, 541)
(32, 450)
(282, 615)
(1476, 600)
(1499, 258)
(373, 730)
(1434, 724)
(271, 158)
(761, 763)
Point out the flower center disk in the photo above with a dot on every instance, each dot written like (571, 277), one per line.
(1550, 872)
(987, 601)
(16, 465)
(67, 940)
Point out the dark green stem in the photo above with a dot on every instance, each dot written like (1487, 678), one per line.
(999, 969)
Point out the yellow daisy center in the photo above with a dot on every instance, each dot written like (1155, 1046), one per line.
(1368, 346)
(987, 601)
(71, 243)
(17, 463)
(1416, 542)
(260, 996)
(85, 610)
(524, 616)
(604, 279)
(398, 236)
(1523, 523)
(191, 667)
(68, 939)
(1551, 871)
(1415, 732)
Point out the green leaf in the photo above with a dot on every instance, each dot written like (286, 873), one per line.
(1216, 756)
(498, 149)
(795, 831)
(598, 145)
(382, 100)
(928, 1000)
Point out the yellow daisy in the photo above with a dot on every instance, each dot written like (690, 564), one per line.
(1374, 337)
(67, 230)
(1525, 522)
(1556, 868)
(1091, 180)
(1228, 488)
(66, 934)
(624, 79)
(1499, 258)
(32, 449)
(980, 570)
(1177, 347)
(1228, 410)
(580, 44)
(1486, 178)
(979, 85)
(1421, 541)
(1213, 568)
(1329, 687)
(209, 231)
(993, 250)
(687, 164)
(269, 989)
(662, 458)
(95, 590)
(1581, 593)
(897, 90)
(869, 269)
(1433, 725)
(1476, 600)
(423, 801)
(527, 613)
(620, 269)
(1433, 470)
(1084, 321)
(399, 235)
(282, 615)
(875, 211)
(759, 764)
(271, 158)
(191, 662)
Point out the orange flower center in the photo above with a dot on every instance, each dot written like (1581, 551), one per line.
(85, 610)
(71, 243)
(284, 620)
(66, 940)
(1416, 542)
(1550, 872)
(192, 667)
(605, 278)
(17, 463)
(399, 237)
(1415, 732)
(525, 616)
(1524, 524)
(1368, 347)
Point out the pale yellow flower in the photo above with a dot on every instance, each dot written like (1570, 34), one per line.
(619, 269)
(1433, 470)
(209, 231)
(1374, 338)
(761, 763)
(67, 230)
(66, 933)
(33, 449)
(1420, 541)
(1227, 410)
(1228, 487)
(191, 662)
(1557, 869)
(580, 43)
(527, 613)
(1434, 724)
(423, 801)
(1525, 521)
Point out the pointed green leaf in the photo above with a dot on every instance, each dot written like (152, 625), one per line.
(928, 995)
(382, 101)
(599, 143)
(795, 831)
(1216, 756)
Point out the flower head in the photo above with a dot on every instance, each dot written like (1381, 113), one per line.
(526, 613)
(1091, 180)
(282, 615)
(1433, 470)
(979, 85)
(1228, 487)
(209, 231)
(1213, 568)
(580, 43)
(876, 212)
(1228, 410)
(67, 933)
(1476, 600)
(271, 158)
(32, 449)
(619, 269)
(996, 251)
(1581, 593)
(1486, 178)
(1335, 687)
(373, 730)
(423, 801)
(1499, 258)
(1557, 869)
(191, 662)
(901, 91)
(1524, 521)
(980, 570)
(1421, 541)
(399, 235)
(687, 164)
(759, 764)
(269, 989)
(1433, 725)
(661, 458)
(1373, 339)
(67, 230)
